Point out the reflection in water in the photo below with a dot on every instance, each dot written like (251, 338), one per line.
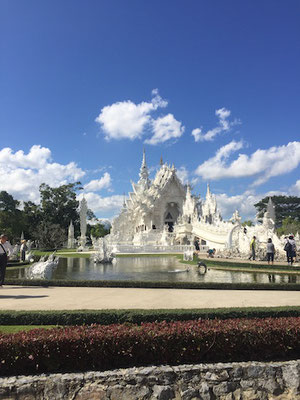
(271, 278)
(152, 269)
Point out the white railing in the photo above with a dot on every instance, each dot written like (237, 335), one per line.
(154, 248)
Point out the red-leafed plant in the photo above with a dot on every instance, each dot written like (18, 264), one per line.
(98, 347)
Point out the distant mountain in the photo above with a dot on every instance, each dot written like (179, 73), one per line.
(105, 222)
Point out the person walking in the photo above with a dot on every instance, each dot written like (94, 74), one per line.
(286, 245)
(290, 248)
(252, 248)
(23, 250)
(5, 252)
(270, 251)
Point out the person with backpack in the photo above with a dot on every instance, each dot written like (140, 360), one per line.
(290, 248)
(286, 239)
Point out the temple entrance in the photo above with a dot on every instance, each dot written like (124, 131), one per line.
(170, 216)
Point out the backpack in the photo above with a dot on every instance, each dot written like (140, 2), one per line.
(287, 246)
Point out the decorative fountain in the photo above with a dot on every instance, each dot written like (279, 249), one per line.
(43, 269)
(104, 253)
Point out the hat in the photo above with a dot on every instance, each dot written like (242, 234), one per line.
(23, 241)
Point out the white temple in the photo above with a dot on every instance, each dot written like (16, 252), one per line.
(164, 213)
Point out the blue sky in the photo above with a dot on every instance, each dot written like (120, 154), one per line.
(212, 86)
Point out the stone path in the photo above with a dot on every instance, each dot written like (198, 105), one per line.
(80, 298)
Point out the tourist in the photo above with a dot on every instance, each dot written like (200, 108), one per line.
(270, 251)
(286, 241)
(23, 250)
(290, 248)
(252, 248)
(211, 253)
(196, 244)
(5, 251)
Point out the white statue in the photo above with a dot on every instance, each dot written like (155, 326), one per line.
(83, 224)
(188, 255)
(236, 218)
(71, 240)
(43, 269)
(104, 253)
(15, 252)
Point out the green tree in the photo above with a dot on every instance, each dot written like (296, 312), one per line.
(11, 218)
(33, 217)
(50, 236)
(90, 214)
(7, 202)
(59, 205)
(97, 230)
(248, 223)
(285, 206)
(289, 225)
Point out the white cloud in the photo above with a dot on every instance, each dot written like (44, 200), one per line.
(224, 125)
(37, 157)
(183, 174)
(244, 203)
(98, 184)
(21, 174)
(165, 128)
(101, 205)
(295, 189)
(127, 120)
(262, 163)
(213, 168)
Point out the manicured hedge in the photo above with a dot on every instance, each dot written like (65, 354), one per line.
(155, 284)
(236, 265)
(107, 317)
(100, 347)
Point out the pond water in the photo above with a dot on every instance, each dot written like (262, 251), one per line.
(152, 269)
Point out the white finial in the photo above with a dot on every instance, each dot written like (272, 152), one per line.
(144, 156)
(208, 189)
(144, 174)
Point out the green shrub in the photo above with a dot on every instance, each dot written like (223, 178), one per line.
(107, 317)
(155, 284)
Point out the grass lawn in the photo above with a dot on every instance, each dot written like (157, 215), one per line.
(62, 253)
(17, 328)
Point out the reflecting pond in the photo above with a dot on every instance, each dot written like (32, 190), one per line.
(156, 268)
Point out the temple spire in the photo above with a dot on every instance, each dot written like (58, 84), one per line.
(161, 160)
(208, 193)
(144, 158)
(188, 190)
(144, 174)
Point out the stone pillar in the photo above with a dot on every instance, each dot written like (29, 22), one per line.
(83, 215)
(71, 240)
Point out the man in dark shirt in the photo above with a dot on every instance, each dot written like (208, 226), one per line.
(5, 252)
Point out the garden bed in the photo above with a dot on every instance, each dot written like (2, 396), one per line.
(104, 347)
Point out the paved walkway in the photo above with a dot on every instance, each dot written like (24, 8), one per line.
(79, 298)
